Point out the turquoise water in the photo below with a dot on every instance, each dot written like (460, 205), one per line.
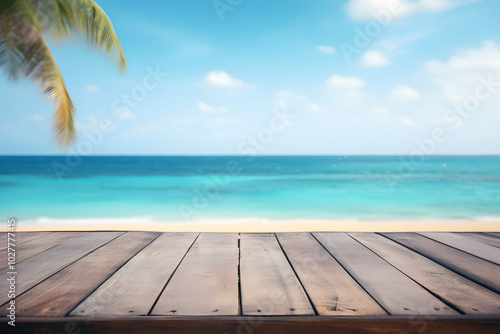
(159, 188)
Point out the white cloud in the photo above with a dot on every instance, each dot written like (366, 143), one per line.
(374, 59)
(124, 114)
(368, 9)
(326, 49)
(314, 107)
(141, 129)
(345, 82)
(35, 117)
(210, 109)
(92, 123)
(459, 76)
(91, 88)
(485, 58)
(395, 43)
(288, 98)
(383, 114)
(380, 111)
(222, 79)
(403, 92)
(353, 93)
(295, 101)
(406, 121)
(221, 121)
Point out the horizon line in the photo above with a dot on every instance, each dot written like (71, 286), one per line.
(248, 155)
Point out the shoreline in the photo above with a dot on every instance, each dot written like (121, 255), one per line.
(269, 226)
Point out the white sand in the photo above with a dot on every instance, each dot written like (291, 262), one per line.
(272, 226)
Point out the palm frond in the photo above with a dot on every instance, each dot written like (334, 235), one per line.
(24, 51)
(17, 33)
(84, 18)
(100, 32)
(53, 84)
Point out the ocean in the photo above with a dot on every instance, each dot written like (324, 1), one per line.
(48, 189)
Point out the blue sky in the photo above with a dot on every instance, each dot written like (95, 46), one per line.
(413, 83)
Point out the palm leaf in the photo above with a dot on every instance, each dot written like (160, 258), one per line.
(83, 18)
(16, 32)
(24, 51)
(53, 84)
(100, 32)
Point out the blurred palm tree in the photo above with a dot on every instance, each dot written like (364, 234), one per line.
(24, 25)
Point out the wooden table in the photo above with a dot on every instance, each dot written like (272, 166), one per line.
(149, 282)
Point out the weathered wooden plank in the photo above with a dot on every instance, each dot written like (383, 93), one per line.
(3, 239)
(36, 246)
(18, 236)
(268, 284)
(495, 234)
(483, 237)
(206, 281)
(22, 237)
(462, 243)
(19, 239)
(331, 289)
(394, 291)
(61, 292)
(4, 243)
(463, 294)
(470, 266)
(134, 288)
(37, 268)
(262, 325)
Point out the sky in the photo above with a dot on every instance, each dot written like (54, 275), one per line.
(231, 77)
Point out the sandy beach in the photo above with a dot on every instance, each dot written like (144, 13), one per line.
(263, 226)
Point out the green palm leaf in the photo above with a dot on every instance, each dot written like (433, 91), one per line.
(53, 85)
(23, 50)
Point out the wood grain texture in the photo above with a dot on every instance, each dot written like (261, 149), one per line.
(463, 294)
(22, 237)
(394, 291)
(37, 268)
(483, 237)
(331, 289)
(134, 288)
(470, 266)
(206, 281)
(61, 292)
(263, 325)
(122, 276)
(268, 284)
(465, 244)
(3, 239)
(495, 234)
(38, 245)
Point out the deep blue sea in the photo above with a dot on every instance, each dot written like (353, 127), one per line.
(39, 189)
